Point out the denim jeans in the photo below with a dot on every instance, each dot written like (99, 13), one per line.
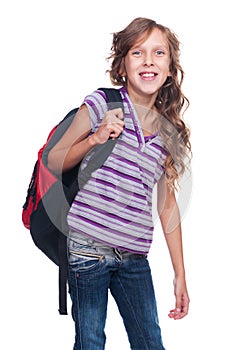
(94, 269)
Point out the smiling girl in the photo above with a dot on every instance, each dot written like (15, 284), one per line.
(110, 220)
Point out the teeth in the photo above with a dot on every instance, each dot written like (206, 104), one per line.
(147, 75)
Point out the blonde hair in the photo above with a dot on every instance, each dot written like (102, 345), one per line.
(171, 103)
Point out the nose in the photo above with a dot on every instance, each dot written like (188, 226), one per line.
(148, 60)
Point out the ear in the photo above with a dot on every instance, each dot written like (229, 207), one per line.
(122, 70)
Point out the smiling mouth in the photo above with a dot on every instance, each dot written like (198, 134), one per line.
(148, 75)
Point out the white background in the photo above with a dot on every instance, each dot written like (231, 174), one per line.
(52, 54)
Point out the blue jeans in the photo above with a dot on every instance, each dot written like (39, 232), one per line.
(93, 270)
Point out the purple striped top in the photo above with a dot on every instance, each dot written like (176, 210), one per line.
(115, 206)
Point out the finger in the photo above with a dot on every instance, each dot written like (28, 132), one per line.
(185, 308)
(180, 312)
(118, 113)
(175, 312)
(116, 131)
(113, 117)
(175, 315)
(171, 314)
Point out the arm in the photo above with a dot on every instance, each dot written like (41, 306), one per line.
(76, 143)
(170, 220)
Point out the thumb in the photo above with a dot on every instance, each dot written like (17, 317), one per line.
(118, 113)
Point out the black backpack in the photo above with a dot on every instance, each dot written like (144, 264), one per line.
(49, 197)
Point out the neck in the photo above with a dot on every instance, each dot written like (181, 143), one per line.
(145, 100)
(148, 119)
(146, 110)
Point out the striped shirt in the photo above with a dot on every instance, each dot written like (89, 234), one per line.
(115, 206)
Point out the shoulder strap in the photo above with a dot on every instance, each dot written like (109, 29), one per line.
(113, 97)
(101, 152)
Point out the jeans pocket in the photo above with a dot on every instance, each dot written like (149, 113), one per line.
(84, 261)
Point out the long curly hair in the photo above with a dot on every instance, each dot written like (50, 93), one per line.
(170, 103)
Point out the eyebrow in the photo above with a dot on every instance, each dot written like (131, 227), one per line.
(156, 45)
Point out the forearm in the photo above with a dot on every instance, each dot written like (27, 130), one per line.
(64, 159)
(175, 247)
(76, 142)
(174, 243)
(171, 224)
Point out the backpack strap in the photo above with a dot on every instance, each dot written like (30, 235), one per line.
(113, 97)
(63, 273)
(101, 153)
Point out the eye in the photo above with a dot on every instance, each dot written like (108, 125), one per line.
(136, 53)
(160, 52)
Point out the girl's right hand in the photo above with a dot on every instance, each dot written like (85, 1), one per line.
(111, 126)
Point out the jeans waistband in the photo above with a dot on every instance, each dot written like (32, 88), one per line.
(76, 237)
(82, 238)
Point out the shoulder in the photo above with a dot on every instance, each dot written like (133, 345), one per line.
(105, 95)
(96, 103)
(97, 97)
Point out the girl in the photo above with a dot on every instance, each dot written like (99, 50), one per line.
(110, 220)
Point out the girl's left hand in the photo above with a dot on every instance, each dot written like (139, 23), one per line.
(182, 300)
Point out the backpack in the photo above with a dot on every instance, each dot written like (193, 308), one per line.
(50, 196)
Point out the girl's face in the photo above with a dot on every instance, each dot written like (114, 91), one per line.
(147, 66)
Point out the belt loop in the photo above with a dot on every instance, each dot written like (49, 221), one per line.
(118, 254)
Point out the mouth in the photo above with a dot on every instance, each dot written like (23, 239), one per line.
(148, 75)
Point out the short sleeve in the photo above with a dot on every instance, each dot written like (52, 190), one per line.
(97, 107)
